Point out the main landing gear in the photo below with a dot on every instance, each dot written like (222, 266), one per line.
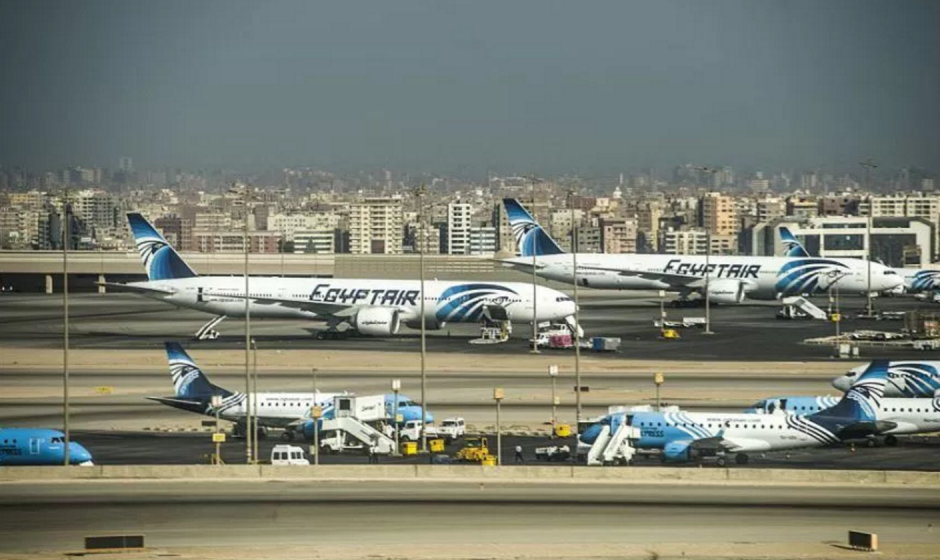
(207, 331)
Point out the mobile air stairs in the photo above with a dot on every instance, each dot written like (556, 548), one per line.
(609, 449)
(353, 425)
(793, 306)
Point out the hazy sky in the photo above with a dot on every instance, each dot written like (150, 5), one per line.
(582, 87)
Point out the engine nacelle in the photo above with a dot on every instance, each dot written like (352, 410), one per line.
(430, 324)
(678, 451)
(377, 321)
(725, 291)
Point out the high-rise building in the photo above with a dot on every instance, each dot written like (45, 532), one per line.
(375, 226)
(718, 214)
(482, 240)
(459, 216)
(618, 235)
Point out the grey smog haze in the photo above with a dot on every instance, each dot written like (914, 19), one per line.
(552, 86)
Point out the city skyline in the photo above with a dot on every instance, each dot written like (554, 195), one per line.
(590, 89)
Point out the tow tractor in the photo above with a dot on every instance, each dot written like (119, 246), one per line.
(475, 450)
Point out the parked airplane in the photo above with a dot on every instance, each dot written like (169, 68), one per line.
(916, 280)
(372, 307)
(732, 279)
(290, 411)
(687, 436)
(894, 416)
(39, 447)
(905, 379)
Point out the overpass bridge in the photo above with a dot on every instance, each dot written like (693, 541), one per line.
(41, 271)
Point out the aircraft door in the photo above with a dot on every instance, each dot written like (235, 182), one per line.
(34, 446)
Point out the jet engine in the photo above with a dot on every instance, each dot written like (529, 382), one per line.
(377, 321)
(677, 451)
(725, 291)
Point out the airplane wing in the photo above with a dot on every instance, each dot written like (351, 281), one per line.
(682, 280)
(134, 289)
(318, 307)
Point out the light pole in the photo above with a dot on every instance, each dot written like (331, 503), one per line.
(424, 381)
(216, 403)
(534, 249)
(66, 235)
(658, 380)
(553, 373)
(577, 317)
(248, 396)
(498, 395)
(254, 401)
(708, 251)
(396, 387)
(868, 164)
(317, 413)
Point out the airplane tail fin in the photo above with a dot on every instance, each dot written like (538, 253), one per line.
(531, 239)
(188, 380)
(792, 247)
(862, 401)
(161, 260)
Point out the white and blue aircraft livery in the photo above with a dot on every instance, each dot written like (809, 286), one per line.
(39, 447)
(290, 411)
(906, 379)
(686, 436)
(731, 279)
(372, 307)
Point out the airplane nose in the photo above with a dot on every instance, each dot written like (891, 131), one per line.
(589, 435)
(78, 454)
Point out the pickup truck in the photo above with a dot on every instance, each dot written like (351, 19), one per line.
(450, 429)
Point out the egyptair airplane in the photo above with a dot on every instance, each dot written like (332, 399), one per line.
(39, 447)
(731, 279)
(371, 307)
(916, 280)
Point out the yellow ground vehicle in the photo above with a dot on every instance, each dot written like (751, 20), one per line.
(670, 334)
(562, 430)
(475, 450)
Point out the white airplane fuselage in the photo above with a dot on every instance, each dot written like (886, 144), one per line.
(445, 301)
(762, 278)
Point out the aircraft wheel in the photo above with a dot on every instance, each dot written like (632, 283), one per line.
(722, 462)
(891, 441)
(870, 443)
(319, 335)
(741, 458)
(287, 435)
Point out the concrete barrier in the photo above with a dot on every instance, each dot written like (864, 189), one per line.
(801, 476)
(913, 478)
(470, 472)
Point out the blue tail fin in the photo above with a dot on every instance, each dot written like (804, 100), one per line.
(188, 380)
(531, 239)
(792, 247)
(863, 399)
(161, 261)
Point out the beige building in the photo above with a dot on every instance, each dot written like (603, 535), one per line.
(618, 235)
(376, 226)
(718, 214)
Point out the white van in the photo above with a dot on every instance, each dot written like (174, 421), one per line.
(288, 455)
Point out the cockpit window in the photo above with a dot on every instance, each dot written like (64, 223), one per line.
(887, 272)
(563, 298)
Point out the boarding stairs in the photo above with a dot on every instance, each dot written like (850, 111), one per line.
(806, 306)
(361, 432)
(608, 449)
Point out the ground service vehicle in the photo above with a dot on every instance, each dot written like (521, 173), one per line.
(288, 455)
(475, 450)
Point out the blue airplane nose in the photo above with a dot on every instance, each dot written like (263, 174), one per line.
(589, 435)
(78, 454)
